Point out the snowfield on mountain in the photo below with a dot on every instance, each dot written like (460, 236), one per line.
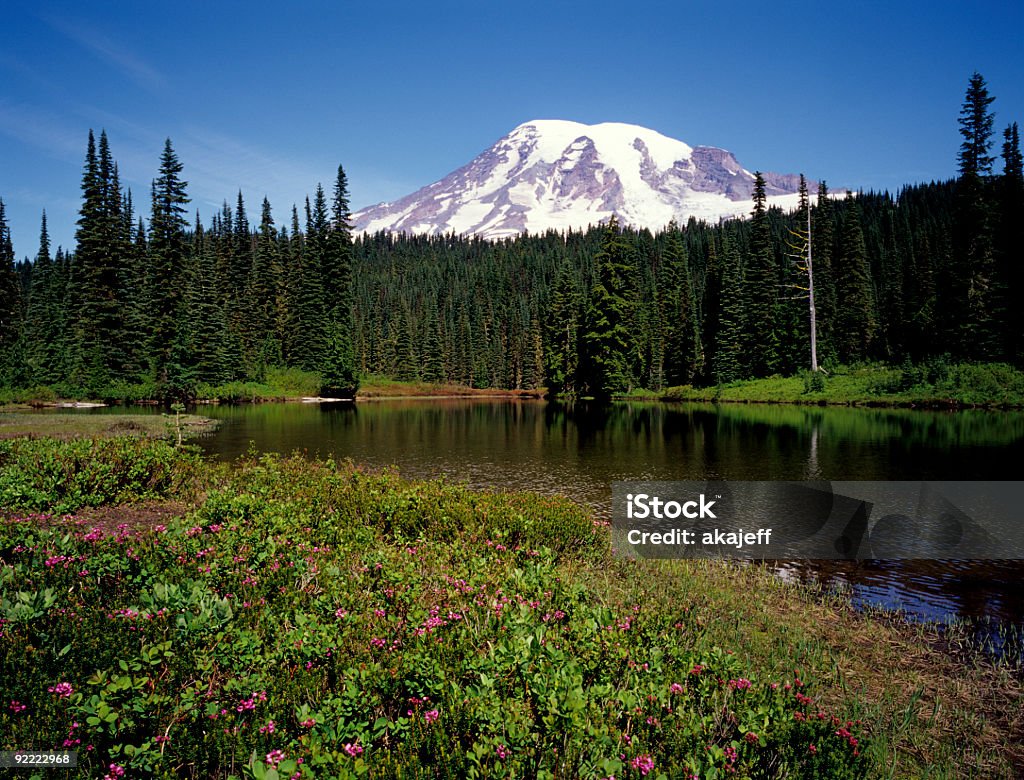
(555, 174)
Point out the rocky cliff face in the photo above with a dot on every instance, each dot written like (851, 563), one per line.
(553, 174)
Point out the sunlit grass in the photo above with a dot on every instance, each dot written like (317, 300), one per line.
(987, 384)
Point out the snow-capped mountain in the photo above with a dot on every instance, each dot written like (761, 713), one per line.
(557, 174)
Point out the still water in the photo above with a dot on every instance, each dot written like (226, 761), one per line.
(579, 451)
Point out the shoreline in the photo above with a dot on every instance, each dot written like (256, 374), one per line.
(954, 387)
(950, 405)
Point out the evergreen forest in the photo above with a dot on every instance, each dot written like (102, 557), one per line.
(157, 303)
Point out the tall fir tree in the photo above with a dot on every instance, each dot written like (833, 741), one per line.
(168, 253)
(205, 318)
(338, 367)
(976, 121)
(1010, 240)
(263, 346)
(856, 321)
(762, 281)
(310, 316)
(823, 229)
(10, 307)
(680, 320)
(606, 341)
(561, 330)
(729, 348)
(977, 315)
(42, 317)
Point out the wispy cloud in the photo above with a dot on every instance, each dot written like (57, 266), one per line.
(219, 165)
(112, 52)
(43, 129)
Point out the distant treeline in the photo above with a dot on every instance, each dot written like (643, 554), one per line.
(933, 271)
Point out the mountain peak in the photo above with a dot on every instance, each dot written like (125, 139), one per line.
(558, 174)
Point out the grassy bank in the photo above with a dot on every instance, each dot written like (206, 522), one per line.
(278, 385)
(308, 619)
(383, 387)
(16, 423)
(934, 385)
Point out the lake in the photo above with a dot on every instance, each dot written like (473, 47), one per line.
(578, 451)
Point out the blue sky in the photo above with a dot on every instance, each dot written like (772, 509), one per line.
(270, 97)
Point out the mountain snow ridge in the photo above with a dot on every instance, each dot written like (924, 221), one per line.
(557, 174)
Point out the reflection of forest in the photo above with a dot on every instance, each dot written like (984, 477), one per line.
(763, 441)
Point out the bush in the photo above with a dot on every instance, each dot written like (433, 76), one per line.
(814, 381)
(62, 476)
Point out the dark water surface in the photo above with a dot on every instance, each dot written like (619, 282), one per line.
(579, 451)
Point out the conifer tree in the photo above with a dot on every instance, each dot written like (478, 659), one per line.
(822, 244)
(762, 281)
(42, 317)
(680, 320)
(338, 367)
(975, 272)
(799, 305)
(207, 323)
(10, 306)
(728, 353)
(263, 346)
(976, 122)
(561, 348)
(433, 349)
(606, 339)
(309, 311)
(1010, 240)
(87, 366)
(167, 252)
(855, 319)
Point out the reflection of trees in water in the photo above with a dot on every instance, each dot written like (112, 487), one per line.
(933, 428)
(763, 441)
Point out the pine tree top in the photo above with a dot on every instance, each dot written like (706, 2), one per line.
(976, 128)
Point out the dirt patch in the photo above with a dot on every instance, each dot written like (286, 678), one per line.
(138, 517)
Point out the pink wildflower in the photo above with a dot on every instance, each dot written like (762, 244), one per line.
(63, 690)
(275, 757)
(431, 716)
(502, 752)
(353, 749)
(644, 763)
(675, 688)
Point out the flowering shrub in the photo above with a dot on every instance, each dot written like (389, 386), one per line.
(314, 621)
(62, 476)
